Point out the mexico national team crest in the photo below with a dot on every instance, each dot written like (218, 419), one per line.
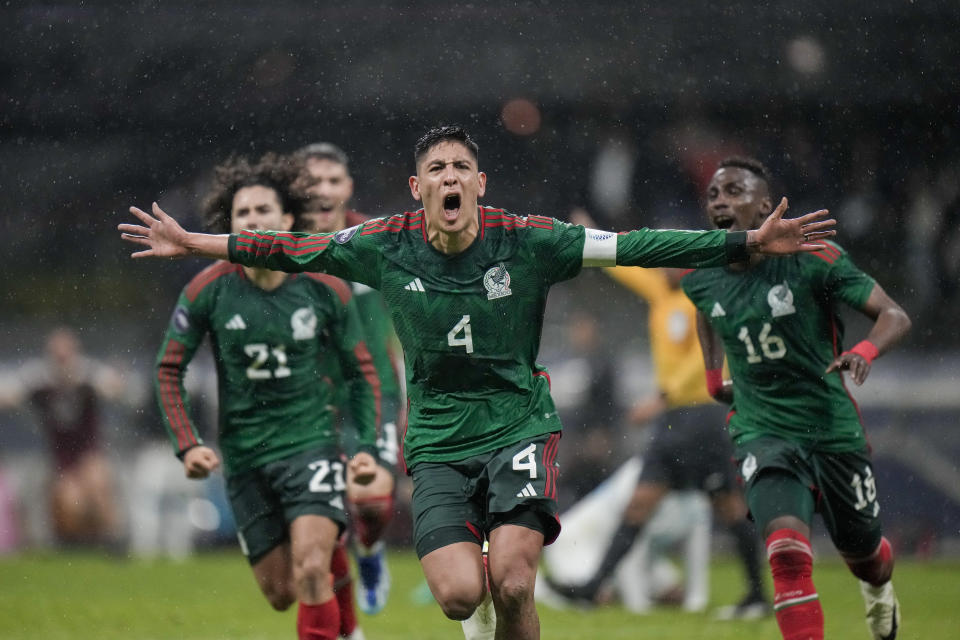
(497, 282)
(304, 324)
(780, 299)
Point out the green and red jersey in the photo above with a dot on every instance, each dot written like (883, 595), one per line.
(272, 350)
(780, 327)
(470, 323)
(377, 330)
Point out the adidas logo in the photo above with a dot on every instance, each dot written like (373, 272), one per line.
(415, 285)
(528, 492)
(236, 322)
(717, 311)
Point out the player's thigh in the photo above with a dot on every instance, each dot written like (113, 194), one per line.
(273, 572)
(258, 513)
(447, 508)
(514, 555)
(454, 573)
(312, 540)
(849, 503)
(522, 486)
(779, 479)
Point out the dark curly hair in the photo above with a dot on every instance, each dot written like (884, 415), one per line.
(752, 165)
(274, 171)
(437, 135)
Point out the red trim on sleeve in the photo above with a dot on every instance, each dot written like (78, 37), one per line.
(169, 384)
(369, 372)
(208, 275)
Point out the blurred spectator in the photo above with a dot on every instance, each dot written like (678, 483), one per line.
(65, 390)
(583, 388)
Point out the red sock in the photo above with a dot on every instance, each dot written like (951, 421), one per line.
(795, 599)
(875, 568)
(343, 590)
(370, 518)
(318, 621)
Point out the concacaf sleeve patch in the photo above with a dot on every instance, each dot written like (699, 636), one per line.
(344, 235)
(599, 248)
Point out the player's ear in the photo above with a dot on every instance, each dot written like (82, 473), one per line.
(415, 188)
(766, 205)
(350, 187)
(482, 179)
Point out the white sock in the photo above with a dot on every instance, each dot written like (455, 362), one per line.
(482, 625)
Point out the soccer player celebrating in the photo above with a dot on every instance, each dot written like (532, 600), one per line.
(272, 334)
(466, 287)
(371, 506)
(799, 441)
(687, 446)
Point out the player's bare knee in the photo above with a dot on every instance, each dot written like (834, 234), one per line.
(280, 597)
(514, 592)
(310, 573)
(458, 603)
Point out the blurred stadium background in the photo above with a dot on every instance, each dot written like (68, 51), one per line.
(622, 108)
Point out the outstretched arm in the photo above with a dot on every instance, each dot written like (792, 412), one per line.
(165, 238)
(890, 324)
(780, 236)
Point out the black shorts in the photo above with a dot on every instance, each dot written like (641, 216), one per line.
(463, 501)
(841, 486)
(267, 499)
(690, 448)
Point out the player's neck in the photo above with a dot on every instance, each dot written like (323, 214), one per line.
(455, 242)
(265, 278)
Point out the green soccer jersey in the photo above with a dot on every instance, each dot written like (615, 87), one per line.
(470, 323)
(780, 329)
(270, 349)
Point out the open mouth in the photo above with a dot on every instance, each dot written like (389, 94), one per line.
(723, 221)
(451, 205)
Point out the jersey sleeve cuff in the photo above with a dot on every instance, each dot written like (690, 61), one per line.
(736, 246)
(232, 247)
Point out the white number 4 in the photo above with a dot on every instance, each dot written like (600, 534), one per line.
(524, 461)
(467, 339)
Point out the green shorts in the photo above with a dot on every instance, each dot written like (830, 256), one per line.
(841, 487)
(463, 501)
(267, 499)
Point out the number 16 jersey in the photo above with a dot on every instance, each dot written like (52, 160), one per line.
(780, 327)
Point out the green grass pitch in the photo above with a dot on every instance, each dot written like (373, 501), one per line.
(213, 596)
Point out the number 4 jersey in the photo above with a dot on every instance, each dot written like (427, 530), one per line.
(271, 349)
(470, 322)
(781, 329)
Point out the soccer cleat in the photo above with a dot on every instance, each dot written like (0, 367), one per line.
(883, 610)
(752, 607)
(374, 580)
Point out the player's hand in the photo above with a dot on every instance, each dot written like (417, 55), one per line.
(162, 234)
(199, 462)
(781, 236)
(857, 365)
(362, 468)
